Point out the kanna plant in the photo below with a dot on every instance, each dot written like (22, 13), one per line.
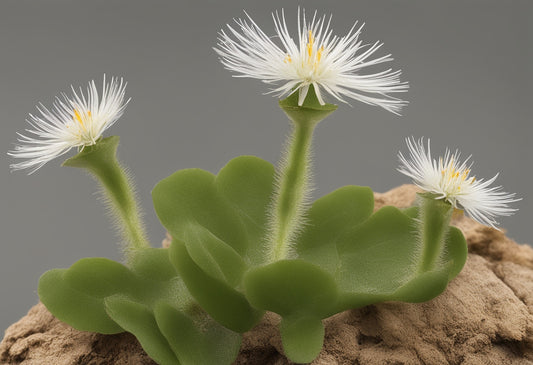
(144, 295)
(255, 239)
(449, 180)
(248, 240)
(449, 187)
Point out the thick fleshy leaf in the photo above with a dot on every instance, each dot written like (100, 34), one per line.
(99, 277)
(207, 343)
(379, 261)
(302, 337)
(328, 220)
(188, 199)
(456, 251)
(422, 287)
(290, 287)
(190, 206)
(153, 264)
(248, 183)
(104, 296)
(302, 293)
(346, 256)
(81, 311)
(214, 256)
(411, 212)
(220, 223)
(139, 319)
(378, 256)
(225, 304)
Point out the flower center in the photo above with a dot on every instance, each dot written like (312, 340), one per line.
(453, 177)
(308, 68)
(82, 127)
(79, 118)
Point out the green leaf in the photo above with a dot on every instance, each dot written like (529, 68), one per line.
(188, 199)
(81, 311)
(377, 256)
(99, 277)
(153, 264)
(302, 337)
(220, 223)
(206, 344)
(411, 212)
(302, 294)
(291, 286)
(214, 256)
(328, 220)
(104, 296)
(139, 320)
(456, 251)
(379, 261)
(247, 182)
(423, 287)
(225, 304)
(347, 256)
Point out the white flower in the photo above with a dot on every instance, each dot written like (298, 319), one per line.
(329, 63)
(77, 121)
(450, 179)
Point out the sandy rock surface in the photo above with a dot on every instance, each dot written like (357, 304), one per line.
(485, 317)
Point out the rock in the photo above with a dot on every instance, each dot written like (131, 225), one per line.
(484, 317)
(41, 339)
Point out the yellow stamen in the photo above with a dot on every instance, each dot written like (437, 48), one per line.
(310, 44)
(77, 116)
(319, 54)
(452, 174)
(288, 59)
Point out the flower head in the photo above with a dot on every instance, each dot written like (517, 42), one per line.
(450, 180)
(76, 121)
(329, 63)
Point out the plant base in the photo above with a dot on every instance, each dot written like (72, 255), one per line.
(484, 317)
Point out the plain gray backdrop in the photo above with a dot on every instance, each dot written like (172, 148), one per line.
(468, 64)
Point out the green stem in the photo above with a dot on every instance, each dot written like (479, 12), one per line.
(293, 187)
(435, 215)
(100, 160)
(288, 207)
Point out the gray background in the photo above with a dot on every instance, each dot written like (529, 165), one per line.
(468, 64)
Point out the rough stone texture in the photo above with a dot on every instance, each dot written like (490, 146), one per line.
(484, 317)
(41, 339)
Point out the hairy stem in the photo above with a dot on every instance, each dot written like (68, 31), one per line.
(435, 215)
(288, 206)
(100, 160)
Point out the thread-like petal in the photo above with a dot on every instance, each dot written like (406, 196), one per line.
(450, 179)
(330, 63)
(75, 121)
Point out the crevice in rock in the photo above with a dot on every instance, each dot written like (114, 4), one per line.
(364, 340)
